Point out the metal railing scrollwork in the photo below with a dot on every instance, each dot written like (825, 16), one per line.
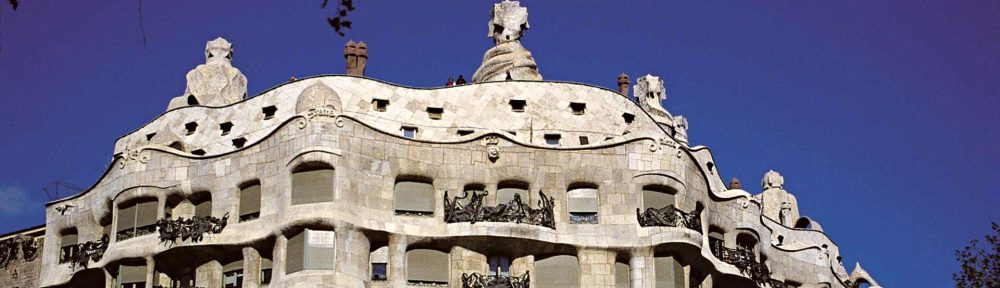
(193, 229)
(745, 260)
(90, 250)
(22, 245)
(670, 217)
(515, 211)
(476, 280)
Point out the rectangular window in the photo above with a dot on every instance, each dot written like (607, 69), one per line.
(499, 265)
(657, 197)
(435, 112)
(380, 104)
(379, 263)
(250, 202)
(584, 140)
(578, 108)
(68, 249)
(552, 139)
(137, 219)
(414, 198)
(203, 208)
(265, 270)
(517, 105)
(380, 272)
(269, 112)
(583, 205)
(130, 276)
(313, 186)
(226, 128)
(622, 279)
(409, 132)
(427, 267)
(311, 250)
(232, 275)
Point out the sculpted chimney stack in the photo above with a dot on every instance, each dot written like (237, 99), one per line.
(623, 83)
(356, 57)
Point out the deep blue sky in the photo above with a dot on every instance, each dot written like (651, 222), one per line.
(881, 115)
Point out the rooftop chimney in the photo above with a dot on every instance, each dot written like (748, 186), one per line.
(623, 83)
(356, 57)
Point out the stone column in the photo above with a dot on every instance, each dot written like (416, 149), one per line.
(465, 261)
(353, 256)
(597, 268)
(397, 260)
(523, 265)
(150, 271)
(641, 270)
(209, 275)
(251, 268)
(278, 259)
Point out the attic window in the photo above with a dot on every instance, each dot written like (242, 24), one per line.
(435, 112)
(199, 152)
(239, 142)
(552, 139)
(409, 132)
(191, 127)
(578, 108)
(628, 118)
(517, 105)
(192, 101)
(512, 132)
(177, 146)
(463, 132)
(584, 140)
(226, 127)
(269, 112)
(380, 104)
(149, 137)
(711, 167)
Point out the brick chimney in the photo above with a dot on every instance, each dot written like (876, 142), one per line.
(355, 57)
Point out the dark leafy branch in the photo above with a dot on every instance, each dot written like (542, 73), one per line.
(339, 22)
(980, 266)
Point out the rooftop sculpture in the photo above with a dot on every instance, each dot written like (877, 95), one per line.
(215, 83)
(507, 60)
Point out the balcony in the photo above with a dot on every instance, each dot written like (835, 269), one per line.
(193, 229)
(515, 211)
(475, 280)
(136, 232)
(81, 254)
(745, 260)
(669, 217)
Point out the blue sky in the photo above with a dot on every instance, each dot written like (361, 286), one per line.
(881, 115)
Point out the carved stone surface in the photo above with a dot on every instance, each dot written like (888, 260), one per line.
(670, 217)
(476, 280)
(516, 211)
(772, 180)
(215, 83)
(649, 91)
(507, 60)
(90, 251)
(22, 246)
(680, 130)
(623, 82)
(193, 229)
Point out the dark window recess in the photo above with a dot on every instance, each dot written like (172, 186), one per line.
(226, 127)
(552, 139)
(265, 276)
(517, 105)
(199, 152)
(628, 118)
(380, 104)
(190, 127)
(379, 272)
(177, 146)
(608, 138)
(578, 108)
(149, 137)
(584, 140)
(435, 112)
(193, 101)
(463, 132)
(269, 111)
(512, 132)
(239, 142)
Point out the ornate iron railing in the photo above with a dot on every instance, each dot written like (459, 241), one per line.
(745, 260)
(515, 211)
(136, 232)
(193, 229)
(476, 280)
(583, 218)
(669, 216)
(90, 250)
(22, 245)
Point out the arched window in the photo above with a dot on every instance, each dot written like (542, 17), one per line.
(427, 267)
(414, 197)
(623, 278)
(657, 196)
(716, 240)
(250, 201)
(507, 189)
(311, 250)
(313, 183)
(561, 271)
(583, 204)
(669, 273)
(803, 223)
(747, 241)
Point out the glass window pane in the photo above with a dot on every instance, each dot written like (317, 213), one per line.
(425, 266)
(250, 200)
(415, 197)
(313, 186)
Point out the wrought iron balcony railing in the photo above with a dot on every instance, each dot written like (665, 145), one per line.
(136, 232)
(476, 280)
(22, 245)
(671, 217)
(745, 260)
(89, 251)
(515, 211)
(193, 229)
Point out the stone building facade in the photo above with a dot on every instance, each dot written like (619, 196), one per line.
(348, 181)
